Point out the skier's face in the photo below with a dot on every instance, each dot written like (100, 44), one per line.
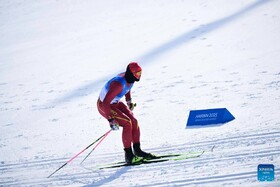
(129, 77)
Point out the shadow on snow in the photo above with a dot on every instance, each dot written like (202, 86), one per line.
(146, 58)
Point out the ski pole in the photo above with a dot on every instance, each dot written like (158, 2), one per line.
(70, 160)
(105, 135)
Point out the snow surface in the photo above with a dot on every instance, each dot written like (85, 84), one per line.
(56, 55)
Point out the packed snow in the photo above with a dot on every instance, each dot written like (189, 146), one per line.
(55, 56)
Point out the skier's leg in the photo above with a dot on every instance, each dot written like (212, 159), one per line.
(135, 132)
(127, 135)
(134, 122)
(123, 120)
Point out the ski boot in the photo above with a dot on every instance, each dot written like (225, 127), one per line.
(138, 152)
(130, 158)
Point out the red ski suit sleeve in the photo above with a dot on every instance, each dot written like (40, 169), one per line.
(114, 89)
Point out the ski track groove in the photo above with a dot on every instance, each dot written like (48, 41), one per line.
(217, 142)
(166, 165)
(208, 180)
(64, 179)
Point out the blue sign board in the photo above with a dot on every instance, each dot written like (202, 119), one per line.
(209, 116)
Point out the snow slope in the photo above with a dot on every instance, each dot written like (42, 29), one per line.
(56, 55)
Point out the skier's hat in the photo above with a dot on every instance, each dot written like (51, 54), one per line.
(135, 69)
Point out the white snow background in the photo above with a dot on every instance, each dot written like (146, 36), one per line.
(55, 56)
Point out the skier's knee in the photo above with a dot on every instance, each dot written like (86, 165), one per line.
(134, 122)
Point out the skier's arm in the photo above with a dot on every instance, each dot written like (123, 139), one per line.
(128, 96)
(114, 89)
(129, 101)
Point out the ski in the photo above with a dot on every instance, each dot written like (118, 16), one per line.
(161, 158)
(156, 157)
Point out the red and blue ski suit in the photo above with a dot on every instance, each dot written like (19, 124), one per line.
(110, 106)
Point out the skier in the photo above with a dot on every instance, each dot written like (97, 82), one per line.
(118, 114)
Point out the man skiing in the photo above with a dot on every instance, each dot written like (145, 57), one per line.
(118, 114)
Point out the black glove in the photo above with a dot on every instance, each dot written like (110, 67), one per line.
(130, 105)
(113, 124)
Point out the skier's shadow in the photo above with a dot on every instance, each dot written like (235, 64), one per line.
(111, 178)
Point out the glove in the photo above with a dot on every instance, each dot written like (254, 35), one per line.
(130, 105)
(113, 124)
